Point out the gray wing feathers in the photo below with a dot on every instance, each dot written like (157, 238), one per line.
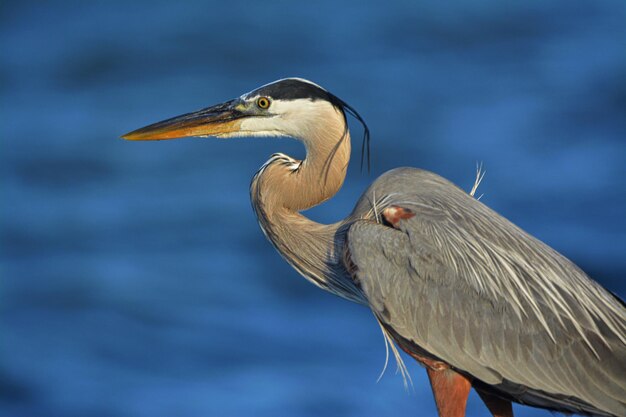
(469, 287)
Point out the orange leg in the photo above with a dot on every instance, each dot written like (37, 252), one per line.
(498, 406)
(450, 390)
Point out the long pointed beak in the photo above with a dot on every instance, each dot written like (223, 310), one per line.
(218, 120)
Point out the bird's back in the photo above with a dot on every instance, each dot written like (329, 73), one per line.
(465, 285)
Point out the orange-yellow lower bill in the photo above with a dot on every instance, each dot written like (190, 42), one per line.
(173, 132)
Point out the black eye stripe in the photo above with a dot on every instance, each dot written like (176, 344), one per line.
(292, 89)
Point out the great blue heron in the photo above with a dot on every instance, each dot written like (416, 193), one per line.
(476, 300)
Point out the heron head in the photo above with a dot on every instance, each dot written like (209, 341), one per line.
(291, 107)
(283, 108)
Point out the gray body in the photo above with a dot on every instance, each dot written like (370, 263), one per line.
(444, 283)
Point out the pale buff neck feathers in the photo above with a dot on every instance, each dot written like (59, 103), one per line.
(285, 186)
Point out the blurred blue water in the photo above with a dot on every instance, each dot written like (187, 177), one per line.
(134, 279)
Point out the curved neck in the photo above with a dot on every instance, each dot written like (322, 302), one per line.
(285, 186)
(299, 185)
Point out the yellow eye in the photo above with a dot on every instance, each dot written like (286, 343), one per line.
(263, 102)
